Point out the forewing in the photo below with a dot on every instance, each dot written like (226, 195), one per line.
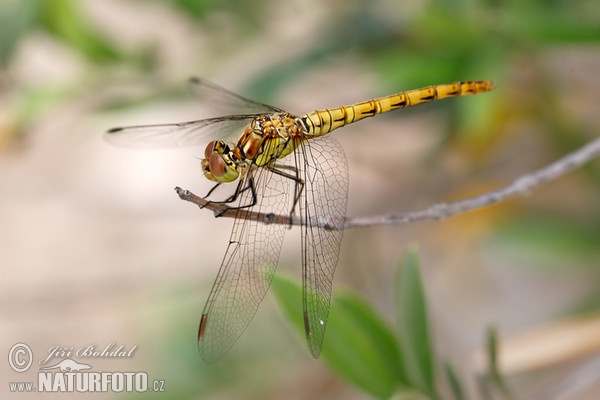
(322, 210)
(181, 134)
(247, 268)
(223, 99)
(195, 132)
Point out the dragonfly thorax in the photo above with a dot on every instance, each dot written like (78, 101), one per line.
(269, 137)
(219, 163)
(263, 141)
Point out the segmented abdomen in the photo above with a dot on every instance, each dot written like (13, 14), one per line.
(321, 122)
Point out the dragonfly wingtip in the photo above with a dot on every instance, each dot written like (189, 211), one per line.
(202, 327)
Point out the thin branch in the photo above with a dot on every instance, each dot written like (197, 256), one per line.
(520, 186)
(224, 210)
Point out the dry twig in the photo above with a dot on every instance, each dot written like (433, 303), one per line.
(520, 186)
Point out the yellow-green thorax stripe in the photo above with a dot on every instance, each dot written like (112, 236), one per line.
(321, 122)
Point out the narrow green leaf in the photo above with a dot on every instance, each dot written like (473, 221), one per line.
(455, 385)
(492, 351)
(359, 346)
(362, 348)
(494, 370)
(289, 296)
(415, 338)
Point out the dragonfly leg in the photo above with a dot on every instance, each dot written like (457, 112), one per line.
(251, 186)
(243, 185)
(213, 189)
(295, 176)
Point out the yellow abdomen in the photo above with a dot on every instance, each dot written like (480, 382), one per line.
(321, 122)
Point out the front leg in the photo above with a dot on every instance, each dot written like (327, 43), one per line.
(243, 185)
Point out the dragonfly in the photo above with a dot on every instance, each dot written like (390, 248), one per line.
(276, 163)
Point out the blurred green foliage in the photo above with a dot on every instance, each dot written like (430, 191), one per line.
(553, 240)
(364, 351)
(245, 12)
(383, 361)
(61, 19)
(435, 42)
(413, 324)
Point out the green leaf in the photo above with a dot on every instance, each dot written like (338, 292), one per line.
(454, 382)
(494, 370)
(362, 348)
(359, 346)
(289, 296)
(415, 338)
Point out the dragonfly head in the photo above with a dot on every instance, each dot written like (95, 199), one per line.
(218, 164)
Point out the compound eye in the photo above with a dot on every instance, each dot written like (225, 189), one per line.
(210, 149)
(217, 165)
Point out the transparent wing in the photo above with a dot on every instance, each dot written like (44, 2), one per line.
(181, 134)
(195, 132)
(323, 200)
(247, 268)
(228, 101)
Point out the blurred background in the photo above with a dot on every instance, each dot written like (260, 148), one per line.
(97, 248)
